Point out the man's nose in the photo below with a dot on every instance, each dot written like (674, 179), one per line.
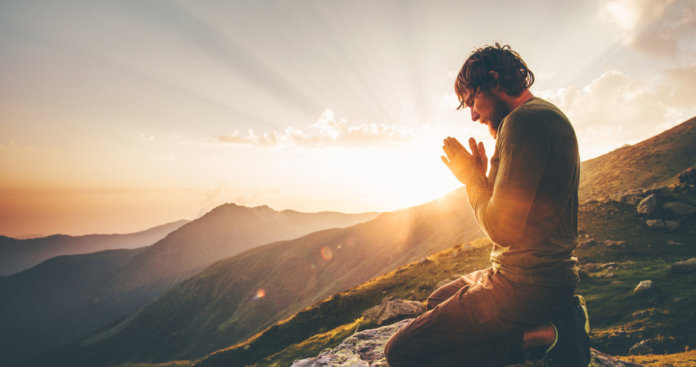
(474, 116)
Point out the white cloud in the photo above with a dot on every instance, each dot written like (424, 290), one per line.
(654, 27)
(326, 131)
(616, 109)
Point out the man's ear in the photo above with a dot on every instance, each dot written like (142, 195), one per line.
(494, 75)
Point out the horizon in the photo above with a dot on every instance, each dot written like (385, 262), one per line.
(121, 117)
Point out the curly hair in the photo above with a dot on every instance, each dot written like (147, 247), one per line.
(513, 74)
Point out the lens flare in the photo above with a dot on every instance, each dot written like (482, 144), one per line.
(326, 253)
(259, 294)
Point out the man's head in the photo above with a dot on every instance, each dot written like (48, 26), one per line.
(488, 77)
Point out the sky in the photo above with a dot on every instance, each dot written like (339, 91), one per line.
(116, 116)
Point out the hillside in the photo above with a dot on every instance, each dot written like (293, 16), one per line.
(652, 162)
(239, 296)
(18, 255)
(68, 297)
(665, 316)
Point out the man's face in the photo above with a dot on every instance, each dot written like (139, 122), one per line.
(487, 109)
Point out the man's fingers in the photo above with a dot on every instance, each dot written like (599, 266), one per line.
(446, 161)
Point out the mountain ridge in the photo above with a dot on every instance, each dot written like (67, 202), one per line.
(50, 307)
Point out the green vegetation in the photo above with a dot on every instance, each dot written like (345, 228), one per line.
(668, 315)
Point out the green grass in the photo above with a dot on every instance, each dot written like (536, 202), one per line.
(669, 312)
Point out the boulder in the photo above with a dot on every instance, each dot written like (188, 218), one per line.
(648, 205)
(619, 244)
(641, 348)
(688, 176)
(655, 223)
(393, 309)
(366, 349)
(587, 242)
(644, 286)
(686, 266)
(672, 225)
(680, 209)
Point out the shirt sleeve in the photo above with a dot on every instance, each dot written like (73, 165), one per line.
(502, 210)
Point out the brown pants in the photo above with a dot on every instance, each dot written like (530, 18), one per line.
(476, 320)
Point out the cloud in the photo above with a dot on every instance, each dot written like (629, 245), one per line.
(616, 109)
(654, 27)
(326, 131)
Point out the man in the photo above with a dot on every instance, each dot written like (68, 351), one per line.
(527, 205)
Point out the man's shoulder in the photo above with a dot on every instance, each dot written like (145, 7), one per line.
(536, 115)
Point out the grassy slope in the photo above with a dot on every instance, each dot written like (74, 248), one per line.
(670, 319)
(655, 161)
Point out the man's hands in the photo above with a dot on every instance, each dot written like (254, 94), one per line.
(464, 165)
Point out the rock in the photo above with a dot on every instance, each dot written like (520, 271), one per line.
(632, 197)
(641, 348)
(688, 176)
(672, 225)
(642, 314)
(680, 209)
(644, 286)
(586, 242)
(366, 349)
(619, 244)
(655, 223)
(393, 309)
(648, 205)
(675, 243)
(686, 266)
(590, 267)
(463, 249)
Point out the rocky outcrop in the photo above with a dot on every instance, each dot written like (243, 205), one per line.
(644, 286)
(391, 310)
(641, 348)
(366, 349)
(679, 209)
(648, 205)
(686, 266)
(688, 176)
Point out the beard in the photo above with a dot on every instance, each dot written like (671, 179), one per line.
(500, 110)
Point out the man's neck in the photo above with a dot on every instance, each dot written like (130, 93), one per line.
(513, 102)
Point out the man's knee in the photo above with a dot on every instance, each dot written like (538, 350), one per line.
(393, 350)
(431, 302)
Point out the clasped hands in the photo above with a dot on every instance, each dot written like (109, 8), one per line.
(464, 165)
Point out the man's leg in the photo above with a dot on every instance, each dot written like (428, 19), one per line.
(463, 326)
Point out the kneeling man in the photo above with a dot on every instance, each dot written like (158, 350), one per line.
(528, 206)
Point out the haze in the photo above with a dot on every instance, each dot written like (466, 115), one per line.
(118, 116)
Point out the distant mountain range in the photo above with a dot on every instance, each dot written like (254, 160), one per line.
(240, 296)
(67, 297)
(20, 254)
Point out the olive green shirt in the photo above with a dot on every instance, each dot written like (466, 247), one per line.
(528, 204)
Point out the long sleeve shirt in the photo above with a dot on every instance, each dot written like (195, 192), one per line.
(528, 204)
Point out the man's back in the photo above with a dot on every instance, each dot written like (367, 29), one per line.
(535, 172)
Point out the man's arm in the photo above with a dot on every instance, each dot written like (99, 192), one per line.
(502, 209)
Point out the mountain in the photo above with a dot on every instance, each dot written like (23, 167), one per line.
(68, 297)
(20, 254)
(617, 251)
(195, 322)
(241, 295)
(652, 162)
